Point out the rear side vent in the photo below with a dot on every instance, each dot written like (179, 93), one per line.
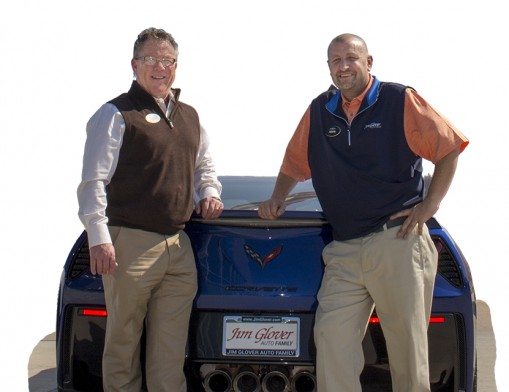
(80, 262)
(447, 266)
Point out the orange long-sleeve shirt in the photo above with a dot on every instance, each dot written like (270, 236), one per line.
(429, 134)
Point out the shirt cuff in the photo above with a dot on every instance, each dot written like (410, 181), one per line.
(98, 235)
(210, 192)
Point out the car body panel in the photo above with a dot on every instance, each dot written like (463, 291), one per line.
(268, 272)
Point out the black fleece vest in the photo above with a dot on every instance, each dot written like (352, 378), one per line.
(152, 188)
(364, 171)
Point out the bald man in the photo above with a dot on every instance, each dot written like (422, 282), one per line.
(362, 142)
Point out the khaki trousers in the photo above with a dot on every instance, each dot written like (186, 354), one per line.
(398, 277)
(154, 286)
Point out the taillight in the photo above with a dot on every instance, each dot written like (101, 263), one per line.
(93, 312)
(434, 319)
(438, 320)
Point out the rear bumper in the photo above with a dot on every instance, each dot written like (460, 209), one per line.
(81, 339)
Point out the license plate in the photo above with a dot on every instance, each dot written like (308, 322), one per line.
(258, 336)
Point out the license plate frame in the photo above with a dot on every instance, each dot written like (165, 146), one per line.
(261, 336)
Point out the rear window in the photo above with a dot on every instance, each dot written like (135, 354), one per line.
(246, 193)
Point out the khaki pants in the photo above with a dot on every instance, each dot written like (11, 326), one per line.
(154, 285)
(398, 276)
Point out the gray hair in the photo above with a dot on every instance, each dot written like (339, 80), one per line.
(157, 34)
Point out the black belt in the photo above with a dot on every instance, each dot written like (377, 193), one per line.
(391, 223)
(387, 225)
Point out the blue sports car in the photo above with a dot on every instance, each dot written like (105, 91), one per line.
(252, 324)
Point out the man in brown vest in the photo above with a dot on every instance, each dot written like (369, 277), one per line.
(146, 157)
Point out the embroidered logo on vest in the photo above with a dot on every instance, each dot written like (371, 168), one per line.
(373, 125)
(332, 131)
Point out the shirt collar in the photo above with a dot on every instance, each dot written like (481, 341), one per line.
(360, 97)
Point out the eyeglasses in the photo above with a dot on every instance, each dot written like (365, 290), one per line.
(151, 61)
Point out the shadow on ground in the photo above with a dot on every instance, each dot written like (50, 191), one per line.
(486, 350)
(44, 381)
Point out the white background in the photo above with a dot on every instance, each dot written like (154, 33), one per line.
(250, 68)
